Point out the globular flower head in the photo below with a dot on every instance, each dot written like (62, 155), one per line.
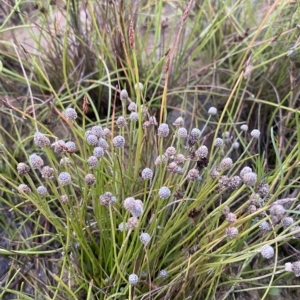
(235, 182)
(132, 107)
(106, 133)
(42, 190)
(251, 209)
(263, 189)
(97, 131)
(218, 142)
(147, 174)
(24, 188)
(230, 217)
(179, 159)
(133, 279)
(71, 146)
(145, 238)
(65, 161)
(129, 203)
(170, 151)
(64, 178)
(121, 122)
(231, 232)
(92, 161)
(244, 171)
(98, 152)
(22, 168)
(163, 273)
(164, 192)
(235, 145)
(265, 226)
(70, 113)
(59, 146)
(182, 132)
(41, 140)
(255, 133)
(267, 251)
(212, 111)
(172, 167)
(178, 122)
(47, 172)
(64, 198)
(163, 130)
(193, 174)
(132, 223)
(226, 163)
(134, 116)
(92, 140)
(107, 199)
(214, 174)
(123, 95)
(103, 143)
(89, 179)
(202, 152)
(277, 210)
(139, 86)
(244, 127)
(118, 141)
(36, 161)
(195, 132)
(296, 268)
(123, 226)
(250, 178)
(137, 209)
(287, 222)
(160, 160)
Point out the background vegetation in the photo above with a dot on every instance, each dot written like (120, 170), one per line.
(206, 148)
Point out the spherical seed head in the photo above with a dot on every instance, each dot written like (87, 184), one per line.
(97, 131)
(202, 152)
(123, 95)
(244, 127)
(123, 226)
(47, 172)
(22, 168)
(250, 178)
(265, 226)
(163, 130)
(263, 189)
(132, 222)
(231, 232)
(251, 209)
(196, 133)
(133, 279)
(59, 146)
(41, 140)
(218, 142)
(65, 161)
(145, 238)
(134, 116)
(129, 203)
(287, 222)
(160, 160)
(138, 208)
(103, 144)
(170, 151)
(230, 217)
(214, 174)
(172, 167)
(235, 145)
(140, 86)
(42, 190)
(178, 122)
(255, 133)
(92, 140)
(212, 111)
(121, 122)
(71, 147)
(226, 163)
(254, 199)
(296, 231)
(223, 182)
(267, 251)
(147, 174)
(163, 273)
(118, 141)
(35, 161)
(64, 178)
(164, 192)
(70, 113)
(182, 132)
(106, 133)
(235, 182)
(24, 188)
(98, 152)
(107, 199)
(193, 174)
(296, 268)
(244, 171)
(179, 159)
(132, 107)
(64, 198)
(92, 161)
(89, 179)
(277, 210)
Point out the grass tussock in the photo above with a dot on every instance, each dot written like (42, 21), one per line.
(149, 150)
